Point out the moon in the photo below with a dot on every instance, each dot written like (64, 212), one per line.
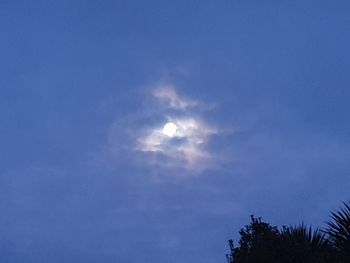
(169, 129)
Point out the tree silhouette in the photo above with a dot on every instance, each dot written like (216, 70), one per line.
(302, 244)
(262, 243)
(257, 244)
(339, 232)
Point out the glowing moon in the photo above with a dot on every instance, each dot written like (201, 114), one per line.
(169, 129)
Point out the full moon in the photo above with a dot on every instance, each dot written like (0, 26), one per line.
(169, 129)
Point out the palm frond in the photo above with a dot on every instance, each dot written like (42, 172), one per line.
(338, 229)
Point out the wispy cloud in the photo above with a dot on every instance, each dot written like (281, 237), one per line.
(168, 95)
(188, 146)
(186, 149)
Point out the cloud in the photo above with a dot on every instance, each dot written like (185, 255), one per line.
(140, 135)
(188, 147)
(168, 95)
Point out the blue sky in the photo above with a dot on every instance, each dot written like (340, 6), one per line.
(259, 92)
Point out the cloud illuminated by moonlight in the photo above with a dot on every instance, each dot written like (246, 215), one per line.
(169, 96)
(186, 148)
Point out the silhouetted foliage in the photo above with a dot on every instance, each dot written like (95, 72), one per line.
(302, 244)
(258, 242)
(339, 232)
(262, 243)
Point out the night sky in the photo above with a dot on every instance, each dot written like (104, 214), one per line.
(257, 94)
